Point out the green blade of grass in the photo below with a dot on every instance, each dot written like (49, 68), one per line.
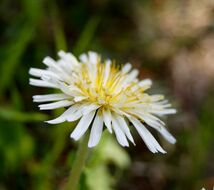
(87, 35)
(13, 115)
(12, 53)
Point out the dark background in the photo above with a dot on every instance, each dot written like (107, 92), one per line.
(171, 42)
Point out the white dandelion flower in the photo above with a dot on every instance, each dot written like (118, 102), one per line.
(99, 94)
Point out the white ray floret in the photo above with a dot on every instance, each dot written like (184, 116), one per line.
(96, 130)
(50, 97)
(101, 95)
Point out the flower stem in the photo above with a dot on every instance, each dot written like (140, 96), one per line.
(82, 152)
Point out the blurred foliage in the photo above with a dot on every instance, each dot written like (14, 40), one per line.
(107, 152)
(170, 41)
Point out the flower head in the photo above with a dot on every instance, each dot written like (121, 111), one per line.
(100, 94)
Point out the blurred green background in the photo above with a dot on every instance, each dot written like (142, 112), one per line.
(169, 41)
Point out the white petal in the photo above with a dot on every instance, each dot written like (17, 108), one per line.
(65, 115)
(50, 79)
(75, 114)
(161, 108)
(153, 118)
(165, 111)
(157, 97)
(107, 119)
(37, 72)
(152, 122)
(106, 72)
(41, 83)
(65, 88)
(146, 83)
(84, 58)
(57, 120)
(75, 90)
(127, 67)
(147, 117)
(49, 97)
(68, 57)
(162, 102)
(82, 126)
(55, 105)
(132, 75)
(123, 125)
(41, 73)
(80, 98)
(148, 138)
(54, 79)
(89, 108)
(66, 66)
(159, 126)
(96, 130)
(51, 63)
(93, 57)
(166, 134)
(120, 112)
(121, 138)
(55, 67)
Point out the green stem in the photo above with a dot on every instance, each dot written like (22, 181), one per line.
(73, 180)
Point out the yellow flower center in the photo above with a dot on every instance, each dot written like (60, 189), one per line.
(104, 88)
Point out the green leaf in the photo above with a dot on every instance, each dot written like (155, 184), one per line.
(87, 35)
(108, 151)
(98, 178)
